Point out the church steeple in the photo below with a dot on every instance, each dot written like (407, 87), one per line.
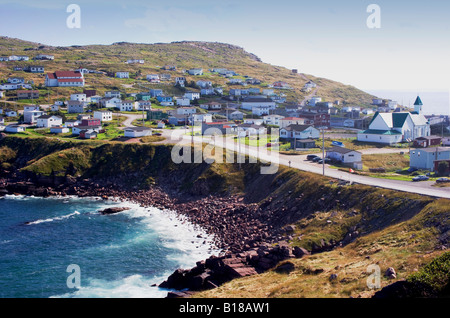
(418, 105)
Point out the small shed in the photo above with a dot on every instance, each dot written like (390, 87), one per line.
(427, 141)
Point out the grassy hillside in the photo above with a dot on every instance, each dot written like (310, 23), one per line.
(184, 55)
(346, 227)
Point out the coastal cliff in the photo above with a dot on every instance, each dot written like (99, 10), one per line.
(258, 220)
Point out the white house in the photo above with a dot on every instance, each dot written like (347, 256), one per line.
(390, 128)
(273, 120)
(204, 84)
(192, 95)
(183, 101)
(64, 79)
(293, 121)
(103, 115)
(59, 130)
(186, 110)
(15, 128)
(314, 100)
(180, 81)
(79, 97)
(200, 118)
(268, 92)
(251, 130)
(250, 102)
(153, 78)
(425, 158)
(135, 132)
(261, 110)
(144, 105)
(111, 102)
(211, 106)
(195, 71)
(47, 121)
(31, 116)
(127, 106)
(344, 155)
(75, 107)
(122, 74)
(10, 113)
(110, 94)
(299, 132)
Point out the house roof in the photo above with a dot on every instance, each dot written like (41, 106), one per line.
(137, 129)
(381, 132)
(428, 137)
(48, 116)
(340, 150)
(398, 119)
(418, 102)
(294, 127)
(434, 149)
(257, 100)
(68, 74)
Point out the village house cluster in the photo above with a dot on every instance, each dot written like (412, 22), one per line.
(243, 106)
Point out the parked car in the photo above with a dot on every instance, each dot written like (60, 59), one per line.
(420, 178)
(316, 159)
(311, 157)
(443, 180)
(327, 160)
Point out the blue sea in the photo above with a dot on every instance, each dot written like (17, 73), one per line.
(122, 255)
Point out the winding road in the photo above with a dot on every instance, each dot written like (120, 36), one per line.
(300, 162)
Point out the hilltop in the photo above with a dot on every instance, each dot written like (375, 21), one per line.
(184, 55)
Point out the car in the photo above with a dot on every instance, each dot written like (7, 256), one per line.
(316, 159)
(311, 157)
(443, 180)
(420, 178)
(327, 160)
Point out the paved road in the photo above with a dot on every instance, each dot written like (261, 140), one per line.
(301, 163)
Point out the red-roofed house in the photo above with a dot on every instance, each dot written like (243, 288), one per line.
(64, 79)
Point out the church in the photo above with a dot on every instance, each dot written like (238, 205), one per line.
(392, 128)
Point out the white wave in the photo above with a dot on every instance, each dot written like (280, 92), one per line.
(189, 242)
(54, 219)
(135, 286)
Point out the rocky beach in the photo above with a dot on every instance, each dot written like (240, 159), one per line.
(241, 230)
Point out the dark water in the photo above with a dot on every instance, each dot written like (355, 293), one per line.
(119, 255)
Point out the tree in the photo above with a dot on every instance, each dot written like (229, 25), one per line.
(442, 168)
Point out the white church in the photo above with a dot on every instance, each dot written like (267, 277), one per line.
(392, 128)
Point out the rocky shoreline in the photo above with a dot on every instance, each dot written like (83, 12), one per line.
(241, 230)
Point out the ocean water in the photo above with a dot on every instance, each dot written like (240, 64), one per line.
(434, 103)
(118, 256)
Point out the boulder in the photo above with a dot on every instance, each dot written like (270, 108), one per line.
(108, 211)
(390, 273)
(299, 252)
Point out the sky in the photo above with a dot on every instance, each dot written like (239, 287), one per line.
(331, 39)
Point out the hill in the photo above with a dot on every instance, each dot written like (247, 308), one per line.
(184, 55)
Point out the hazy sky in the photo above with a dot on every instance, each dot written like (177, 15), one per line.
(330, 39)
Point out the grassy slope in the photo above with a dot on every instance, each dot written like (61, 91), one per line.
(184, 55)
